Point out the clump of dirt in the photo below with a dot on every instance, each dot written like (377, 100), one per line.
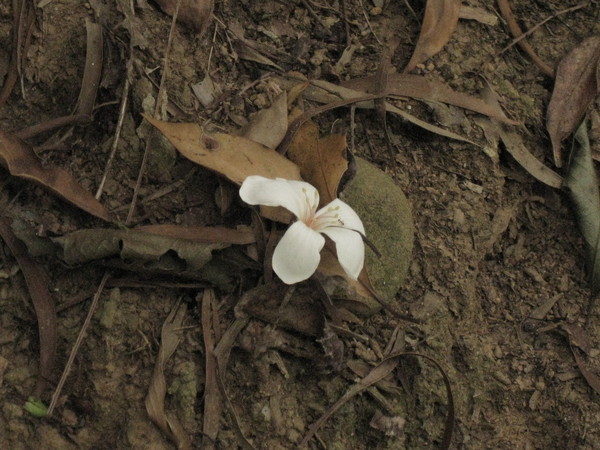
(497, 268)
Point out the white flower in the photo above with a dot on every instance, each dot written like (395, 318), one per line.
(297, 254)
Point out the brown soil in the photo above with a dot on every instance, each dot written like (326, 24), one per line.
(492, 243)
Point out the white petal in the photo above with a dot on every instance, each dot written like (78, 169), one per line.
(350, 249)
(297, 254)
(341, 214)
(298, 197)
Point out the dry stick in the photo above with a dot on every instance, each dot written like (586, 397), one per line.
(368, 22)
(34, 130)
(157, 108)
(115, 144)
(77, 344)
(516, 31)
(346, 24)
(535, 27)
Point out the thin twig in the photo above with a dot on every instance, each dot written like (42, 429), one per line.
(157, 108)
(516, 31)
(115, 144)
(34, 130)
(369, 22)
(346, 24)
(535, 27)
(77, 344)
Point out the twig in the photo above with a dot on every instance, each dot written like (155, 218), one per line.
(157, 108)
(115, 144)
(516, 31)
(535, 27)
(77, 344)
(368, 22)
(34, 130)
(346, 24)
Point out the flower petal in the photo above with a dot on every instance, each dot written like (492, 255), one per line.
(298, 197)
(297, 254)
(350, 249)
(338, 214)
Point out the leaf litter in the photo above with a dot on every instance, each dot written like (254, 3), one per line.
(326, 165)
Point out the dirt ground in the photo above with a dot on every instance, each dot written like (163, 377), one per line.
(492, 244)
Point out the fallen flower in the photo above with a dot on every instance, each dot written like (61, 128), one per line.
(297, 254)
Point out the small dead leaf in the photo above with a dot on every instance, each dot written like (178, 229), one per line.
(439, 22)
(322, 162)
(575, 88)
(192, 12)
(205, 91)
(21, 161)
(268, 127)
(300, 313)
(390, 426)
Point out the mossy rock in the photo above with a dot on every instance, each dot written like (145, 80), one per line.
(387, 217)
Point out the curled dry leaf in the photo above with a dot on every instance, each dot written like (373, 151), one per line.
(88, 245)
(155, 399)
(575, 88)
(439, 22)
(37, 284)
(21, 161)
(192, 12)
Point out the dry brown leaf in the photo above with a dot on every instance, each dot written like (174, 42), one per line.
(322, 162)
(37, 284)
(418, 87)
(329, 93)
(439, 22)
(234, 157)
(155, 399)
(212, 401)
(575, 88)
(268, 127)
(192, 12)
(21, 161)
(209, 235)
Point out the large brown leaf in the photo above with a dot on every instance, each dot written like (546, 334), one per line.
(21, 161)
(234, 157)
(575, 88)
(439, 22)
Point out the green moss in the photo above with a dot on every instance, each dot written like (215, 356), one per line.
(387, 216)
